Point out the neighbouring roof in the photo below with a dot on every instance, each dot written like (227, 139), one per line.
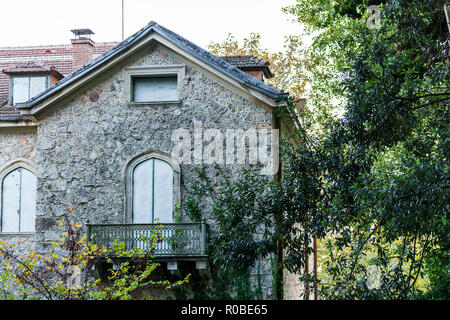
(61, 58)
(249, 62)
(32, 67)
(10, 113)
(15, 58)
(184, 44)
(58, 56)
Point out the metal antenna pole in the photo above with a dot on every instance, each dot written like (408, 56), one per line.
(123, 33)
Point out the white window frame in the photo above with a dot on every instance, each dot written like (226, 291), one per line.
(178, 70)
(11, 85)
(4, 171)
(129, 172)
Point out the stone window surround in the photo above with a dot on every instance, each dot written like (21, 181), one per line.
(128, 175)
(5, 170)
(178, 70)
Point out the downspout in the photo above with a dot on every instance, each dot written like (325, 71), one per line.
(315, 267)
(279, 291)
(307, 292)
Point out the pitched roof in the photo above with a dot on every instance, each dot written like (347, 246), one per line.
(246, 62)
(10, 113)
(33, 67)
(58, 56)
(177, 40)
(28, 67)
(16, 59)
(61, 58)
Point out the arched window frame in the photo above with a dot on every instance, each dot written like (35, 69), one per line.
(4, 171)
(129, 170)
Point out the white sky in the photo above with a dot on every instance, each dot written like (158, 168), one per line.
(43, 22)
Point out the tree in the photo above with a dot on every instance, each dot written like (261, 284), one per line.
(386, 177)
(370, 181)
(288, 65)
(67, 275)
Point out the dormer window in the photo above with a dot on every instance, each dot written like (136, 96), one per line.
(23, 88)
(29, 79)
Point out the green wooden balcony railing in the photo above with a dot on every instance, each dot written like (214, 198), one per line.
(180, 239)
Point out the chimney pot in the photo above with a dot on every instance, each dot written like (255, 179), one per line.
(83, 48)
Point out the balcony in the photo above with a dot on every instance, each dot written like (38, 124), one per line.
(182, 241)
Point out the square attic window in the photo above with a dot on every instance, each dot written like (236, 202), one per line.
(155, 88)
(24, 88)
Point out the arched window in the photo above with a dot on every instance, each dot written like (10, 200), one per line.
(152, 189)
(18, 200)
(153, 192)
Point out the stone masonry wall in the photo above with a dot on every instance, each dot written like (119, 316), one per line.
(84, 144)
(17, 144)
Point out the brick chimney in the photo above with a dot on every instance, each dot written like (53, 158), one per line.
(83, 47)
(251, 65)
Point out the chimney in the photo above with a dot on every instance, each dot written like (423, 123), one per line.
(255, 73)
(251, 65)
(83, 47)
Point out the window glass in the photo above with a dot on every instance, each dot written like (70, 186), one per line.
(37, 85)
(18, 201)
(153, 192)
(142, 192)
(25, 88)
(20, 90)
(148, 89)
(28, 201)
(163, 192)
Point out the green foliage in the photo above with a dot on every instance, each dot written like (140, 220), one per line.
(51, 276)
(384, 160)
(193, 210)
(437, 268)
(231, 284)
(367, 172)
(254, 215)
(288, 65)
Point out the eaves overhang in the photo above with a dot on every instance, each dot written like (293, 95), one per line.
(33, 105)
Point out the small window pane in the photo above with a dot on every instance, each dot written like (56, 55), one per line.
(28, 201)
(163, 191)
(19, 201)
(153, 192)
(25, 88)
(11, 202)
(142, 192)
(155, 89)
(20, 90)
(37, 85)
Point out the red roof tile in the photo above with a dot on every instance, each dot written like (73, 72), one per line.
(29, 67)
(58, 56)
(249, 62)
(10, 113)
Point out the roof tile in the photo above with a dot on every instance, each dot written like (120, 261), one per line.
(17, 59)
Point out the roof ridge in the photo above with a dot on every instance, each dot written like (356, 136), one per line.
(37, 46)
(66, 45)
(240, 55)
(236, 72)
(177, 40)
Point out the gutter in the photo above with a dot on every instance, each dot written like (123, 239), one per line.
(124, 45)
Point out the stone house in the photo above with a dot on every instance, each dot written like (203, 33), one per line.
(91, 126)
